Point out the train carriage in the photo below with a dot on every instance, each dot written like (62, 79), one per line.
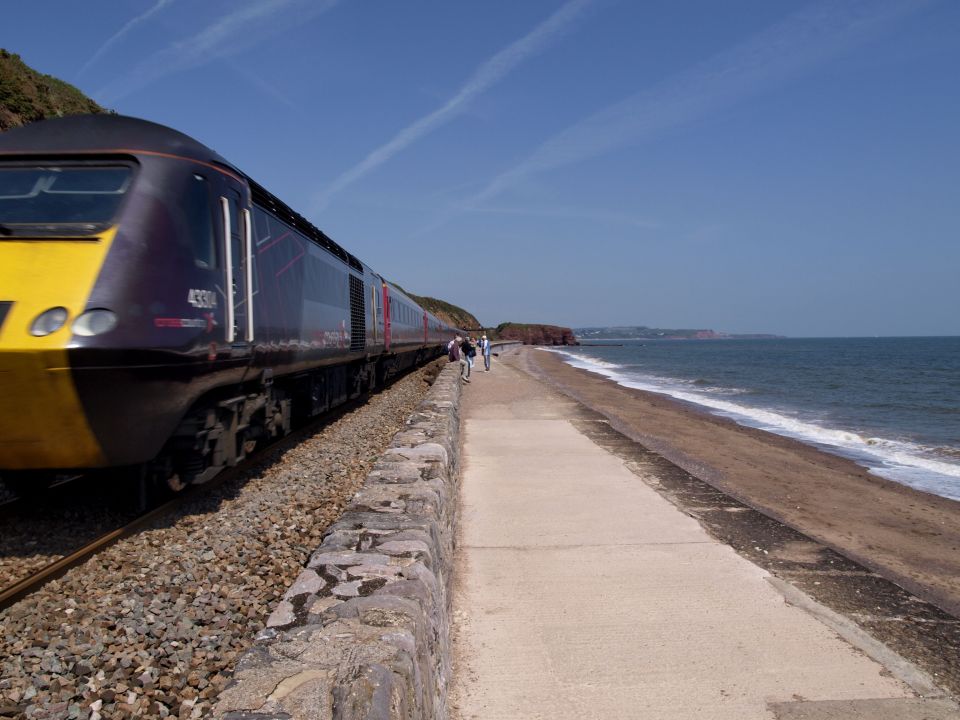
(159, 308)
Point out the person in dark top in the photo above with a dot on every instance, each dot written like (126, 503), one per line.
(468, 351)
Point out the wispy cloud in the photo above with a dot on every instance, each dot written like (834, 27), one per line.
(228, 35)
(264, 86)
(775, 55)
(486, 76)
(115, 38)
(574, 213)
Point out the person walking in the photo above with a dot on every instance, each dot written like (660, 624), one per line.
(485, 345)
(468, 352)
(455, 355)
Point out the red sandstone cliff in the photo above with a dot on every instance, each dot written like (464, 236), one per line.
(537, 334)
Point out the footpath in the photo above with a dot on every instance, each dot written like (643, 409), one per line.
(581, 592)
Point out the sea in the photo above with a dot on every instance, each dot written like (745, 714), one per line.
(890, 404)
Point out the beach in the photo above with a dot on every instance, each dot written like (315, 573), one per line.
(907, 536)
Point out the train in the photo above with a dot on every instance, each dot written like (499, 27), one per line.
(161, 310)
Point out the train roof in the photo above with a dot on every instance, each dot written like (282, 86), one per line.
(108, 133)
(119, 133)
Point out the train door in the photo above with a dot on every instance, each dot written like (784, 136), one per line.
(386, 317)
(375, 314)
(238, 267)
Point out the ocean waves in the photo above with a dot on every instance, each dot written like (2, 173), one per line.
(932, 468)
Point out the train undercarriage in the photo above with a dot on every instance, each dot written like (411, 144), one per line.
(221, 431)
(227, 425)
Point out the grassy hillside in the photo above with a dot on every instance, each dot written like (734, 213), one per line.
(26, 95)
(449, 313)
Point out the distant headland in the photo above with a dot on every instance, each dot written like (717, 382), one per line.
(642, 332)
(536, 334)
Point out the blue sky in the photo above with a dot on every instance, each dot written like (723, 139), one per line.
(748, 166)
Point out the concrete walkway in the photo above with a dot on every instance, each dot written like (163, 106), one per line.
(582, 593)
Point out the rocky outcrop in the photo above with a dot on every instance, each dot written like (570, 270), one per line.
(530, 334)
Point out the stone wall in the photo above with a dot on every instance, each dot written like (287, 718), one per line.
(364, 632)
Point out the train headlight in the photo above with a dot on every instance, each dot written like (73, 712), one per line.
(49, 321)
(94, 322)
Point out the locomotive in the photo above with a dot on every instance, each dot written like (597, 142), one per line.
(160, 309)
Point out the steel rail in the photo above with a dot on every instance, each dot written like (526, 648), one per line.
(22, 588)
(35, 581)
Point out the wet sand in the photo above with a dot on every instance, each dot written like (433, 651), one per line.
(907, 536)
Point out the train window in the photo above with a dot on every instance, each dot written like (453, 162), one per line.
(69, 199)
(196, 208)
(261, 226)
(325, 281)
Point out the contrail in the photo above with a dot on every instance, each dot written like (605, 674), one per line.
(785, 50)
(486, 76)
(123, 31)
(574, 213)
(229, 35)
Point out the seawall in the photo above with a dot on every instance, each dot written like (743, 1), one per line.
(364, 632)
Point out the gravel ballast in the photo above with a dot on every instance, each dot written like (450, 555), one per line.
(152, 627)
(40, 530)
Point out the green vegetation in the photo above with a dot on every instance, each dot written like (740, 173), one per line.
(449, 313)
(27, 96)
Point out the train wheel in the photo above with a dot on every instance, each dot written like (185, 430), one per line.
(159, 480)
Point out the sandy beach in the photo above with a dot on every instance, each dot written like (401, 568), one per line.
(907, 536)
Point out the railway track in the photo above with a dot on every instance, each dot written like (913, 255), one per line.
(24, 586)
(21, 589)
(152, 625)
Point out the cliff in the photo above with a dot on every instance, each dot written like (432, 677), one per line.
(533, 334)
(27, 96)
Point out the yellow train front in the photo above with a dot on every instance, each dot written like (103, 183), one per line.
(159, 307)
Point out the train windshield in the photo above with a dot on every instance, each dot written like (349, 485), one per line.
(61, 200)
